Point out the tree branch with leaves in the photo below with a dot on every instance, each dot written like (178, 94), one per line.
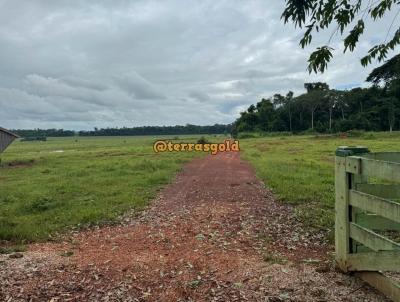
(318, 15)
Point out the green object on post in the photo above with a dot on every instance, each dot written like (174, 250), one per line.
(344, 151)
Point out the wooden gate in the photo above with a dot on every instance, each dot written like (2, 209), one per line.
(367, 226)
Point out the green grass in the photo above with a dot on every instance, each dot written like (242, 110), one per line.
(300, 170)
(9, 249)
(94, 180)
(43, 191)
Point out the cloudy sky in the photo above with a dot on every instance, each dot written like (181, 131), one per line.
(83, 64)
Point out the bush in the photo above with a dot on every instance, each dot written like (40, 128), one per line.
(202, 140)
(273, 134)
(247, 135)
(38, 138)
(355, 133)
(308, 132)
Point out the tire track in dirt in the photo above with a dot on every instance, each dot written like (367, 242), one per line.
(215, 234)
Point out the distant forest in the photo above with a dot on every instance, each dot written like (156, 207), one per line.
(326, 110)
(145, 130)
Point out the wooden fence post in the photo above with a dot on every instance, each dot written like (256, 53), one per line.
(342, 211)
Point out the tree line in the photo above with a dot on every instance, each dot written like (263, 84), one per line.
(38, 133)
(326, 110)
(159, 130)
(125, 131)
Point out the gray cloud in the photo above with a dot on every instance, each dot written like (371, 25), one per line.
(139, 87)
(81, 64)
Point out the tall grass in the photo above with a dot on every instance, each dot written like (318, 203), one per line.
(300, 169)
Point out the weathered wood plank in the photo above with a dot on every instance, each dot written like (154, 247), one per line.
(371, 239)
(342, 241)
(385, 156)
(5, 140)
(376, 261)
(356, 180)
(377, 205)
(385, 285)
(380, 190)
(376, 222)
(353, 164)
(381, 169)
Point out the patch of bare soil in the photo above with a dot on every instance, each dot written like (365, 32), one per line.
(19, 163)
(215, 234)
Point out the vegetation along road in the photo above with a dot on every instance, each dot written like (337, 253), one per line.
(216, 233)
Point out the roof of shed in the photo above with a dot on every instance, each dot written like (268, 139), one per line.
(8, 132)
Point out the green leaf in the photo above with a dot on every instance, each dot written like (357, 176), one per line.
(351, 40)
(319, 59)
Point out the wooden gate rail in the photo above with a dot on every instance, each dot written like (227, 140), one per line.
(363, 211)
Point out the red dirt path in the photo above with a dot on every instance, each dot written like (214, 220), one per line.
(215, 234)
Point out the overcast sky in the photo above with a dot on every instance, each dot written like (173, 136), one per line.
(84, 64)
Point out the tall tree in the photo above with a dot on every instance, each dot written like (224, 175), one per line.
(341, 103)
(376, 108)
(316, 93)
(319, 86)
(389, 104)
(251, 109)
(288, 104)
(387, 73)
(266, 114)
(331, 101)
(278, 100)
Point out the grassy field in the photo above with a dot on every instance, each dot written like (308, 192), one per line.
(300, 169)
(46, 187)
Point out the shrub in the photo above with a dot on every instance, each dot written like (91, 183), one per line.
(202, 140)
(247, 135)
(355, 133)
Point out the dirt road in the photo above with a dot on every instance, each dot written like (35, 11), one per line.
(215, 234)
